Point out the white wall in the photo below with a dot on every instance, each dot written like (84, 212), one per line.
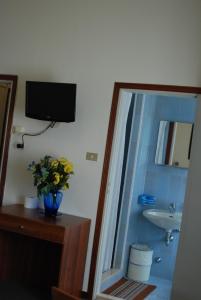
(93, 43)
(188, 264)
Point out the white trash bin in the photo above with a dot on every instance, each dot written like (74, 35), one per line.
(140, 262)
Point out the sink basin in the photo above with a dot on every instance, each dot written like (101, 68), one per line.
(164, 219)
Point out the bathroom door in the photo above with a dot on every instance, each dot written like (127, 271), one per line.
(115, 174)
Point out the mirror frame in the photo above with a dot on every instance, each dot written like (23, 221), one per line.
(7, 130)
(118, 86)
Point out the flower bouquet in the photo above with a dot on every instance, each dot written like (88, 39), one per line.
(51, 175)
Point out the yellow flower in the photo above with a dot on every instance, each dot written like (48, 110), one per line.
(68, 168)
(66, 186)
(63, 161)
(54, 163)
(56, 178)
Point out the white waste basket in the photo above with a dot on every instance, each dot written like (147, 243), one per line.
(140, 262)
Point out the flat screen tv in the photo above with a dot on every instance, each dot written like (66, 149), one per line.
(50, 101)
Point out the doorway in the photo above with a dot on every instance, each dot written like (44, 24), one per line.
(154, 180)
(117, 93)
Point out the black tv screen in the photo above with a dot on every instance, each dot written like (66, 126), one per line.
(50, 101)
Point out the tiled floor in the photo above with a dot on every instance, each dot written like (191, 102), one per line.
(162, 291)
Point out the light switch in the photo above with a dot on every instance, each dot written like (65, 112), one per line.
(91, 156)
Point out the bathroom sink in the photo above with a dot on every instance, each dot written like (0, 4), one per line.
(164, 219)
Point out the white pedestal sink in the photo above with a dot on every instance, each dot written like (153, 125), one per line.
(164, 219)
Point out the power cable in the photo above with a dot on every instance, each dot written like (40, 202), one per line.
(51, 125)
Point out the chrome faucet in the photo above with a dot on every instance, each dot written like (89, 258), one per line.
(172, 207)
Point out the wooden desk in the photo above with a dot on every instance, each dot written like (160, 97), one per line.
(43, 252)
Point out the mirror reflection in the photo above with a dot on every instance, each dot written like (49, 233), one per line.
(174, 144)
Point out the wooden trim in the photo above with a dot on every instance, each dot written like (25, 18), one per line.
(13, 79)
(158, 87)
(4, 111)
(117, 87)
(103, 186)
(58, 294)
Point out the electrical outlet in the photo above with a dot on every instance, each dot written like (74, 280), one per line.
(91, 156)
(18, 129)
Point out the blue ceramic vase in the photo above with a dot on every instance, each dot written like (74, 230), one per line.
(52, 203)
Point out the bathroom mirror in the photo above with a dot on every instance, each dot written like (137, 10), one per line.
(174, 144)
(8, 84)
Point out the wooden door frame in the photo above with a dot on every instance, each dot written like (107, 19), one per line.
(110, 134)
(12, 79)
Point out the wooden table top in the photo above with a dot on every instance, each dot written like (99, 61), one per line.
(63, 220)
